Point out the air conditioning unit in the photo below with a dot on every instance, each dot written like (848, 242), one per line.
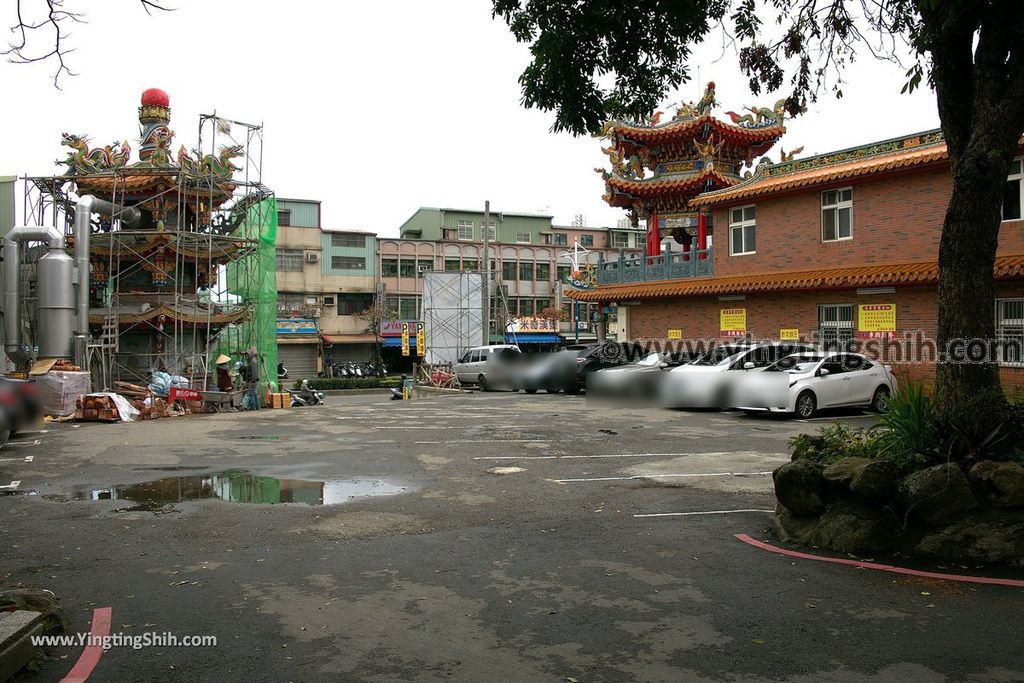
(312, 257)
(424, 269)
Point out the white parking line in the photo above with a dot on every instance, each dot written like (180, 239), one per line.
(488, 441)
(696, 513)
(664, 476)
(13, 485)
(575, 457)
(29, 458)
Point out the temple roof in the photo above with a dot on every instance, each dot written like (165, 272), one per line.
(918, 150)
(758, 138)
(133, 314)
(915, 273)
(669, 184)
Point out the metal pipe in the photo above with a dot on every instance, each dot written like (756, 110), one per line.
(88, 205)
(54, 239)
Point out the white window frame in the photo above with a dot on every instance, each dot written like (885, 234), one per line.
(465, 225)
(620, 240)
(492, 231)
(522, 238)
(1019, 177)
(842, 330)
(836, 208)
(741, 225)
(1012, 328)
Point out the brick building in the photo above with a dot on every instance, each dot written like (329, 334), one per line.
(837, 248)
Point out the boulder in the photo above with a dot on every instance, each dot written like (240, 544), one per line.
(874, 482)
(997, 537)
(800, 487)
(937, 495)
(790, 528)
(839, 474)
(1002, 483)
(849, 528)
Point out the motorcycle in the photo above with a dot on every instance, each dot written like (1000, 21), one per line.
(305, 396)
(282, 371)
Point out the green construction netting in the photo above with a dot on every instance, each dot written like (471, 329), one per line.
(253, 279)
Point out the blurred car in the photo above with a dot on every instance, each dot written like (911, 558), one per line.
(488, 367)
(585, 359)
(634, 382)
(708, 381)
(812, 381)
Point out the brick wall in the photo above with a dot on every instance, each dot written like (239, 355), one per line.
(768, 313)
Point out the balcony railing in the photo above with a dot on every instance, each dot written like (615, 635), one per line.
(668, 266)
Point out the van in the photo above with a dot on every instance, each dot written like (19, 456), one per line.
(478, 366)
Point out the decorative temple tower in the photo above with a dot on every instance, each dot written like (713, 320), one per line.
(692, 153)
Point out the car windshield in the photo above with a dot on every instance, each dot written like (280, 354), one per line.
(794, 364)
(719, 355)
(649, 359)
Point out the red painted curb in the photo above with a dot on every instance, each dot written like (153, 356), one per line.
(90, 656)
(881, 567)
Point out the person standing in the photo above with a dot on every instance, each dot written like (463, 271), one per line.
(252, 389)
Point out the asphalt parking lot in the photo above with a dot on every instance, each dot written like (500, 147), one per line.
(608, 555)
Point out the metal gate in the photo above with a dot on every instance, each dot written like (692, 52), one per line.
(300, 359)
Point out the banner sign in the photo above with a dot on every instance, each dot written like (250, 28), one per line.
(421, 340)
(405, 339)
(733, 322)
(177, 394)
(527, 324)
(789, 334)
(392, 328)
(876, 321)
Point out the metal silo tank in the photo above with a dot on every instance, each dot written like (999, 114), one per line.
(56, 304)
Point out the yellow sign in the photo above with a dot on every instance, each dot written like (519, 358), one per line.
(675, 334)
(876, 321)
(789, 334)
(733, 322)
(405, 339)
(421, 340)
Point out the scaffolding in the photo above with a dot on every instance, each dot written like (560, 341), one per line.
(191, 278)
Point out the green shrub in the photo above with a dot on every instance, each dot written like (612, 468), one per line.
(352, 383)
(835, 442)
(908, 423)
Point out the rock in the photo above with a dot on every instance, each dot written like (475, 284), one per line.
(937, 495)
(790, 528)
(875, 482)
(843, 527)
(997, 537)
(1001, 482)
(800, 487)
(839, 474)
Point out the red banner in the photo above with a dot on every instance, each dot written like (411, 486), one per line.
(176, 394)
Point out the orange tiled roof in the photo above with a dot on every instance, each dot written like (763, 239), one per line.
(909, 152)
(919, 273)
(680, 129)
(659, 185)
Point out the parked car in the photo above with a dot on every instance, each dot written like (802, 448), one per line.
(708, 381)
(487, 367)
(637, 381)
(588, 359)
(812, 381)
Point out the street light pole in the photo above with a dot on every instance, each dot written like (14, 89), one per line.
(486, 292)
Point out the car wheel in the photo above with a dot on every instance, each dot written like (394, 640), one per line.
(481, 382)
(573, 390)
(552, 390)
(806, 405)
(879, 399)
(531, 390)
(752, 413)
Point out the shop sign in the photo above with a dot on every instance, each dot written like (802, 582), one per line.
(527, 324)
(876, 321)
(675, 334)
(421, 340)
(392, 328)
(296, 326)
(405, 339)
(789, 334)
(180, 394)
(733, 322)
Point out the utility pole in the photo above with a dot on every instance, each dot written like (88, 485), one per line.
(486, 293)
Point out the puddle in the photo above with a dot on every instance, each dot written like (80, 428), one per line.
(241, 486)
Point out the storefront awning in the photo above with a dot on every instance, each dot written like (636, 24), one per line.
(533, 339)
(349, 339)
(392, 342)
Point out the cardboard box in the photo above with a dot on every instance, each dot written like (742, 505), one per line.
(281, 400)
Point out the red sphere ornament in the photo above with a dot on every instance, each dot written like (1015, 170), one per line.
(156, 97)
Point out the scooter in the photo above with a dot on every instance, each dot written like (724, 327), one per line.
(282, 371)
(305, 396)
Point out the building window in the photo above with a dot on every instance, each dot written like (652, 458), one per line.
(470, 264)
(328, 300)
(348, 263)
(835, 326)
(353, 304)
(465, 230)
(560, 239)
(1010, 331)
(407, 267)
(389, 267)
(586, 240)
(836, 215)
(508, 270)
(289, 259)
(742, 230)
(342, 239)
(526, 307)
(1013, 197)
(522, 238)
(563, 273)
(641, 240)
(543, 304)
(451, 265)
(525, 271)
(423, 267)
(492, 232)
(408, 307)
(620, 240)
(543, 272)
(284, 217)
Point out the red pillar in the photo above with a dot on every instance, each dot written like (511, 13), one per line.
(702, 233)
(653, 235)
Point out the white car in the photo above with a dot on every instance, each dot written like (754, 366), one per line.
(708, 381)
(811, 381)
(478, 365)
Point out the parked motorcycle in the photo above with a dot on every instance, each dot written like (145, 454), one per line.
(282, 371)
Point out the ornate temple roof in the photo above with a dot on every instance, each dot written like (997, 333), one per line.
(917, 150)
(664, 185)
(758, 138)
(916, 273)
(182, 313)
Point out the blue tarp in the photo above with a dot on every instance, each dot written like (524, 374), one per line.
(540, 338)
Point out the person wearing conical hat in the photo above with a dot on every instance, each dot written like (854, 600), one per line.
(224, 373)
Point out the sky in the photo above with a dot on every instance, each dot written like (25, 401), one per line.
(377, 108)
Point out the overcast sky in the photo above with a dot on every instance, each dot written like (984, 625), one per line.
(376, 108)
